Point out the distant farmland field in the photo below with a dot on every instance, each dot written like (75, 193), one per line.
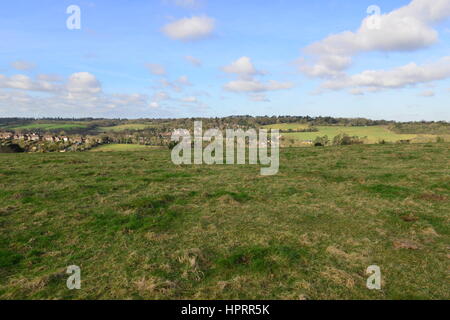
(141, 227)
(119, 128)
(374, 134)
(51, 126)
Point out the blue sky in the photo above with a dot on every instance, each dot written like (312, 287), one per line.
(183, 58)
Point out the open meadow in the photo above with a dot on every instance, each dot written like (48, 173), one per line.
(123, 127)
(49, 126)
(374, 134)
(141, 227)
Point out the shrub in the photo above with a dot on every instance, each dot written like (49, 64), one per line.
(345, 140)
(172, 144)
(321, 141)
(10, 148)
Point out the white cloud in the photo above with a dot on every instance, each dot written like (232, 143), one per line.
(194, 61)
(257, 86)
(154, 105)
(190, 29)
(80, 95)
(247, 83)
(23, 82)
(176, 85)
(405, 29)
(156, 69)
(23, 65)
(400, 77)
(83, 83)
(242, 67)
(99, 105)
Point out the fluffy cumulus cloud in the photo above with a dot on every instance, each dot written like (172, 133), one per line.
(80, 94)
(247, 81)
(23, 82)
(168, 94)
(83, 83)
(242, 67)
(408, 28)
(400, 77)
(405, 29)
(190, 29)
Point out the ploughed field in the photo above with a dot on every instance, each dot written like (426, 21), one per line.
(141, 227)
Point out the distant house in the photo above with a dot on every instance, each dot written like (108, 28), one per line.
(34, 137)
(6, 135)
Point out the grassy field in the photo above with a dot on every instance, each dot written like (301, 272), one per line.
(121, 147)
(373, 133)
(142, 228)
(51, 126)
(120, 128)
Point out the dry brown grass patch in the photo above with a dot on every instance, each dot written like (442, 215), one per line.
(406, 244)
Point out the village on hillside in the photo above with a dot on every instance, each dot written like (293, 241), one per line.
(35, 142)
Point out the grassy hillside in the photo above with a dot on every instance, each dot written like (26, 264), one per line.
(123, 127)
(141, 227)
(50, 126)
(373, 133)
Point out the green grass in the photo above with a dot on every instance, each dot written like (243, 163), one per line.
(142, 228)
(51, 126)
(121, 147)
(287, 126)
(373, 133)
(120, 128)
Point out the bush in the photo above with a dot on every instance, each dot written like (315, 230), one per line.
(345, 140)
(172, 144)
(10, 148)
(321, 141)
